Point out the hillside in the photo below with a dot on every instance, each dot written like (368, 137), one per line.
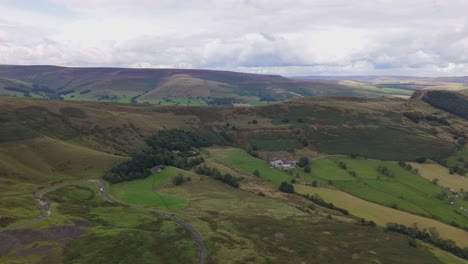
(167, 86)
(48, 143)
(402, 85)
(452, 102)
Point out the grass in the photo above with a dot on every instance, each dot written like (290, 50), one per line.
(95, 229)
(28, 166)
(382, 215)
(144, 192)
(236, 225)
(404, 190)
(238, 158)
(432, 171)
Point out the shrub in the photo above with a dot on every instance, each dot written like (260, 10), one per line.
(286, 187)
(178, 179)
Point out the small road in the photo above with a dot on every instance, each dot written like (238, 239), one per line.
(187, 226)
(45, 212)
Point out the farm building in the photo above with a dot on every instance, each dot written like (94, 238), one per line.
(156, 169)
(282, 164)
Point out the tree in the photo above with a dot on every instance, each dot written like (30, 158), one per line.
(307, 169)
(256, 173)
(178, 179)
(421, 159)
(286, 187)
(303, 161)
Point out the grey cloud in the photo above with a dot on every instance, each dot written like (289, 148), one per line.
(418, 37)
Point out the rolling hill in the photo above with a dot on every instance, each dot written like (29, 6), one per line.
(47, 143)
(169, 86)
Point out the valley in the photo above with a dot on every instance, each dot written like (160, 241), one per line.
(359, 151)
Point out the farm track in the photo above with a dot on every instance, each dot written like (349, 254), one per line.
(46, 212)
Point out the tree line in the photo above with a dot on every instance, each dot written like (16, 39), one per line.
(430, 237)
(217, 175)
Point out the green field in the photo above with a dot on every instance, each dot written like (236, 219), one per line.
(145, 192)
(382, 215)
(403, 190)
(238, 158)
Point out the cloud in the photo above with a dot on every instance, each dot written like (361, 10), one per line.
(420, 37)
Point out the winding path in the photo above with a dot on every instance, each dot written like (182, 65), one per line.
(45, 212)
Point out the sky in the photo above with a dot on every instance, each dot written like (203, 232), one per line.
(291, 38)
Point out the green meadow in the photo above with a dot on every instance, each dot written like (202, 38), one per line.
(402, 190)
(145, 192)
(238, 158)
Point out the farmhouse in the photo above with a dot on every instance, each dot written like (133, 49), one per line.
(156, 169)
(282, 164)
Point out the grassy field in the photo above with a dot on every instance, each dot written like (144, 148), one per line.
(382, 215)
(240, 226)
(238, 158)
(432, 171)
(403, 189)
(145, 192)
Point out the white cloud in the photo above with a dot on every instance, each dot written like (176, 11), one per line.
(420, 37)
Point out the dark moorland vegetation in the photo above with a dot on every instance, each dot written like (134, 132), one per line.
(451, 102)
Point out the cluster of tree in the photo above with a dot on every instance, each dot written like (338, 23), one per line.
(286, 187)
(456, 169)
(429, 237)
(319, 200)
(416, 117)
(408, 167)
(363, 221)
(448, 101)
(385, 171)
(217, 175)
(434, 118)
(168, 147)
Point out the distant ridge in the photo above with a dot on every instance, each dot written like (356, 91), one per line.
(172, 86)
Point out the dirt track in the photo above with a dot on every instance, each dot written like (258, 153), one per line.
(45, 212)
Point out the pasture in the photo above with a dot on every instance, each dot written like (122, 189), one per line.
(145, 192)
(399, 188)
(382, 215)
